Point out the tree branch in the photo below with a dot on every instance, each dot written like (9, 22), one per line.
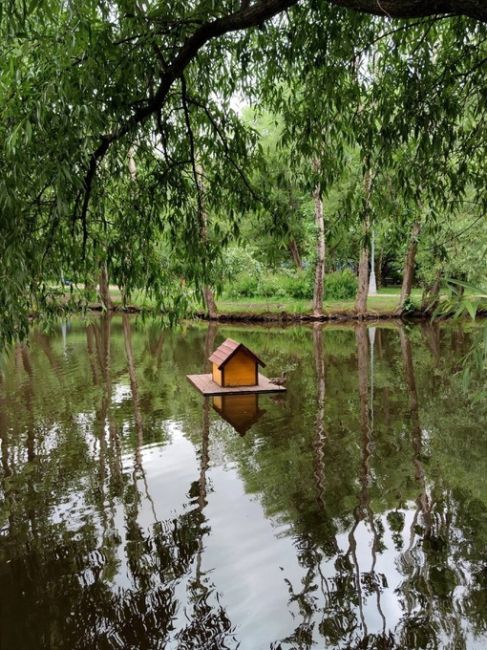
(255, 15)
(191, 146)
(476, 9)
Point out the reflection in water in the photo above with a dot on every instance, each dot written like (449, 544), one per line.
(352, 514)
(240, 411)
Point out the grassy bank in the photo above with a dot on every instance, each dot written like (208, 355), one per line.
(384, 303)
(283, 308)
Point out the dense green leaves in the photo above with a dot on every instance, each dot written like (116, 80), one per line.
(87, 86)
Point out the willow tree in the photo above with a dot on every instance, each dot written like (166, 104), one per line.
(83, 82)
(387, 89)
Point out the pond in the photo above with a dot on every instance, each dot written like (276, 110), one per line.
(348, 512)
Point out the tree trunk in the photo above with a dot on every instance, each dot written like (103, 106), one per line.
(378, 271)
(408, 274)
(104, 288)
(431, 294)
(294, 250)
(363, 267)
(363, 282)
(320, 254)
(210, 304)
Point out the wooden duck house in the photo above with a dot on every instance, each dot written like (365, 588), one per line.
(234, 369)
(233, 364)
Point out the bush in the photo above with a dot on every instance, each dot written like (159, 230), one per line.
(246, 285)
(272, 286)
(299, 285)
(340, 285)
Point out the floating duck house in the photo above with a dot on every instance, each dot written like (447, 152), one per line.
(233, 364)
(234, 370)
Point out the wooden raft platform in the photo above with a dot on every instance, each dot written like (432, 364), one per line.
(206, 385)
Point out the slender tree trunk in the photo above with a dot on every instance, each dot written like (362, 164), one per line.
(378, 272)
(318, 292)
(408, 274)
(210, 304)
(294, 250)
(363, 267)
(363, 282)
(208, 296)
(431, 294)
(104, 288)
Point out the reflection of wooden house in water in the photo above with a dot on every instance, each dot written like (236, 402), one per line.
(233, 364)
(240, 411)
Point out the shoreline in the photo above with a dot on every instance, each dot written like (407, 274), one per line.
(287, 317)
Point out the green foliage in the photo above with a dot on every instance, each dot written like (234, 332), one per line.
(462, 299)
(271, 285)
(86, 86)
(340, 285)
(299, 285)
(246, 285)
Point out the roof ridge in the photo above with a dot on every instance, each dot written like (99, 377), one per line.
(227, 349)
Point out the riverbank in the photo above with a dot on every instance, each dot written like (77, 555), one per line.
(383, 306)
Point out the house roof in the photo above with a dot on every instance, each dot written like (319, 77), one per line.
(226, 351)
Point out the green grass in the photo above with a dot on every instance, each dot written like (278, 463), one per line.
(385, 302)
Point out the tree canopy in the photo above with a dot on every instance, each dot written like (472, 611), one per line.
(89, 89)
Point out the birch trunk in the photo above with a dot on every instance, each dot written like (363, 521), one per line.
(363, 267)
(320, 254)
(408, 274)
(294, 250)
(363, 282)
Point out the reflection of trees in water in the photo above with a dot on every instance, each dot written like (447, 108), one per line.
(335, 605)
(61, 588)
(320, 435)
(59, 580)
(433, 609)
(432, 560)
(208, 623)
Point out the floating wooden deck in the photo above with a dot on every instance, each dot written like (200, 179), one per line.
(206, 385)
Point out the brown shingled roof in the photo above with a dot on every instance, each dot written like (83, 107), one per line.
(226, 351)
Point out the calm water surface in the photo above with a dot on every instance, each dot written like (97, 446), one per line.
(349, 513)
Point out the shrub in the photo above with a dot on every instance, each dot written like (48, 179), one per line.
(340, 285)
(299, 285)
(245, 285)
(272, 286)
